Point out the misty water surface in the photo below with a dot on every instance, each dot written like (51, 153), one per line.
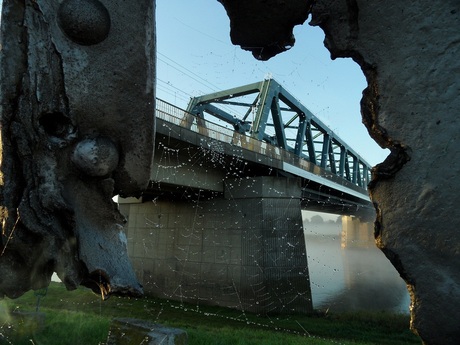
(352, 276)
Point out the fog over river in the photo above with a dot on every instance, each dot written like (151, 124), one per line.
(350, 274)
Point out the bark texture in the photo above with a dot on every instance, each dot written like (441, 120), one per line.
(77, 126)
(410, 55)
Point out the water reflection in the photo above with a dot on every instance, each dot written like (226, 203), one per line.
(348, 272)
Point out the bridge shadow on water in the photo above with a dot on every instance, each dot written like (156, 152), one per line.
(351, 276)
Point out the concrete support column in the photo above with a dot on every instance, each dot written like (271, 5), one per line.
(356, 233)
(274, 269)
(245, 251)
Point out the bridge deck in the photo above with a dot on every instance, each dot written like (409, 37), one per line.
(322, 189)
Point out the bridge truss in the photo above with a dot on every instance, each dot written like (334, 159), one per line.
(266, 111)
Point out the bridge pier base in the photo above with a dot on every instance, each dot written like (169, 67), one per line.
(244, 251)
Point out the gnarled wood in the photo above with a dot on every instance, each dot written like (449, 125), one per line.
(77, 126)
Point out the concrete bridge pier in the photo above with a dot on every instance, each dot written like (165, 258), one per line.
(274, 261)
(244, 251)
(357, 233)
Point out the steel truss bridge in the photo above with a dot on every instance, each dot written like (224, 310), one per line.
(266, 119)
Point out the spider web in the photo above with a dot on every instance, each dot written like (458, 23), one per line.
(205, 263)
(197, 247)
(216, 230)
(169, 262)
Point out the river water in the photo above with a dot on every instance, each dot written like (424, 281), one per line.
(353, 275)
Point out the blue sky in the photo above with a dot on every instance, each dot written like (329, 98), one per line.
(196, 56)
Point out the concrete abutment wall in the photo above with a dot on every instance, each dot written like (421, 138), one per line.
(245, 251)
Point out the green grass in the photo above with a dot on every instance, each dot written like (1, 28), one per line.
(61, 328)
(80, 317)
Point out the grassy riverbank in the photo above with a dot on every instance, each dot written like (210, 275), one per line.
(80, 317)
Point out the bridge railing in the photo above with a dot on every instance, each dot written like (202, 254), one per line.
(179, 117)
(359, 175)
